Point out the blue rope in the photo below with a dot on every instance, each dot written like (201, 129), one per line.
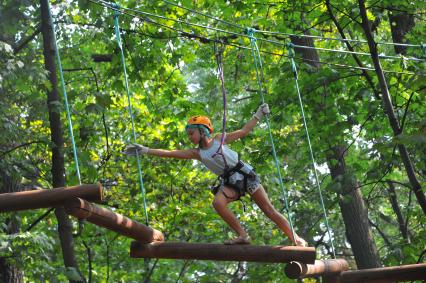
(123, 61)
(259, 76)
(61, 73)
(294, 69)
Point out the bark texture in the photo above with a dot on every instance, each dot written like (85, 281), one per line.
(389, 109)
(58, 167)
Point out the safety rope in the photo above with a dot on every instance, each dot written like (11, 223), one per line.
(64, 91)
(123, 61)
(290, 48)
(259, 77)
(218, 54)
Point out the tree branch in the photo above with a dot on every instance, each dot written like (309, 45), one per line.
(19, 46)
(349, 46)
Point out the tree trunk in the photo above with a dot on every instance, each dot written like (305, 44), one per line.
(354, 213)
(309, 56)
(352, 206)
(58, 167)
(409, 167)
(395, 206)
(400, 23)
(9, 273)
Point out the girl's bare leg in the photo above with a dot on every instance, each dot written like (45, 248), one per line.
(262, 200)
(220, 203)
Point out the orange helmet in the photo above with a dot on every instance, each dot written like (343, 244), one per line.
(201, 120)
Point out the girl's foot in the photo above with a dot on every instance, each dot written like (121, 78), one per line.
(301, 243)
(240, 240)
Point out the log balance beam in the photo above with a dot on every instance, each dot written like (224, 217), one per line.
(203, 251)
(113, 221)
(386, 274)
(331, 267)
(48, 197)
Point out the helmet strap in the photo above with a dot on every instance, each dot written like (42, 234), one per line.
(202, 135)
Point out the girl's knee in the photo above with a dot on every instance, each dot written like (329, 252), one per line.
(218, 202)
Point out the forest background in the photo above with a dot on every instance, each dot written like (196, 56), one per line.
(365, 117)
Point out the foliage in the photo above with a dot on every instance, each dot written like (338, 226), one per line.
(172, 75)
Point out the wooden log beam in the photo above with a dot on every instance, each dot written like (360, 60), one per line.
(48, 198)
(295, 270)
(113, 221)
(203, 251)
(386, 274)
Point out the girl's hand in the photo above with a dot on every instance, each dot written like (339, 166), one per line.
(262, 111)
(134, 148)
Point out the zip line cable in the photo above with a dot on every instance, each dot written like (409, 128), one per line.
(297, 35)
(64, 91)
(259, 76)
(327, 63)
(123, 61)
(203, 14)
(294, 69)
(259, 39)
(289, 34)
(262, 51)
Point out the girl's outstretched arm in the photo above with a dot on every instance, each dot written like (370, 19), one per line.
(133, 149)
(181, 154)
(244, 131)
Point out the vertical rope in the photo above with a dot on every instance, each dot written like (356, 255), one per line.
(123, 62)
(218, 54)
(259, 76)
(64, 91)
(294, 69)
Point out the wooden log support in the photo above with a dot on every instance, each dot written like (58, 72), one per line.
(113, 221)
(295, 270)
(386, 274)
(48, 198)
(202, 251)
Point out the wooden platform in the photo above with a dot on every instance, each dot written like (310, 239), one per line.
(409, 272)
(48, 197)
(205, 251)
(112, 221)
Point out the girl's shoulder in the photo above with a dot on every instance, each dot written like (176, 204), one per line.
(218, 137)
(196, 152)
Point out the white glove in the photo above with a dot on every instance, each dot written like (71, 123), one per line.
(262, 111)
(131, 149)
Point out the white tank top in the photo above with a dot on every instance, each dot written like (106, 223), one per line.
(216, 163)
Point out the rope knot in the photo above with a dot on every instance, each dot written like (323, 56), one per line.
(423, 46)
(250, 32)
(290, 48)
(116, 9)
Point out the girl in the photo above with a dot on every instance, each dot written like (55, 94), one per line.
(237, 177)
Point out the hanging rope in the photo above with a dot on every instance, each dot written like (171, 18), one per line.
(218, 54)
(294, 69)
(64, 91)
(123, 61)
(259, 76)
